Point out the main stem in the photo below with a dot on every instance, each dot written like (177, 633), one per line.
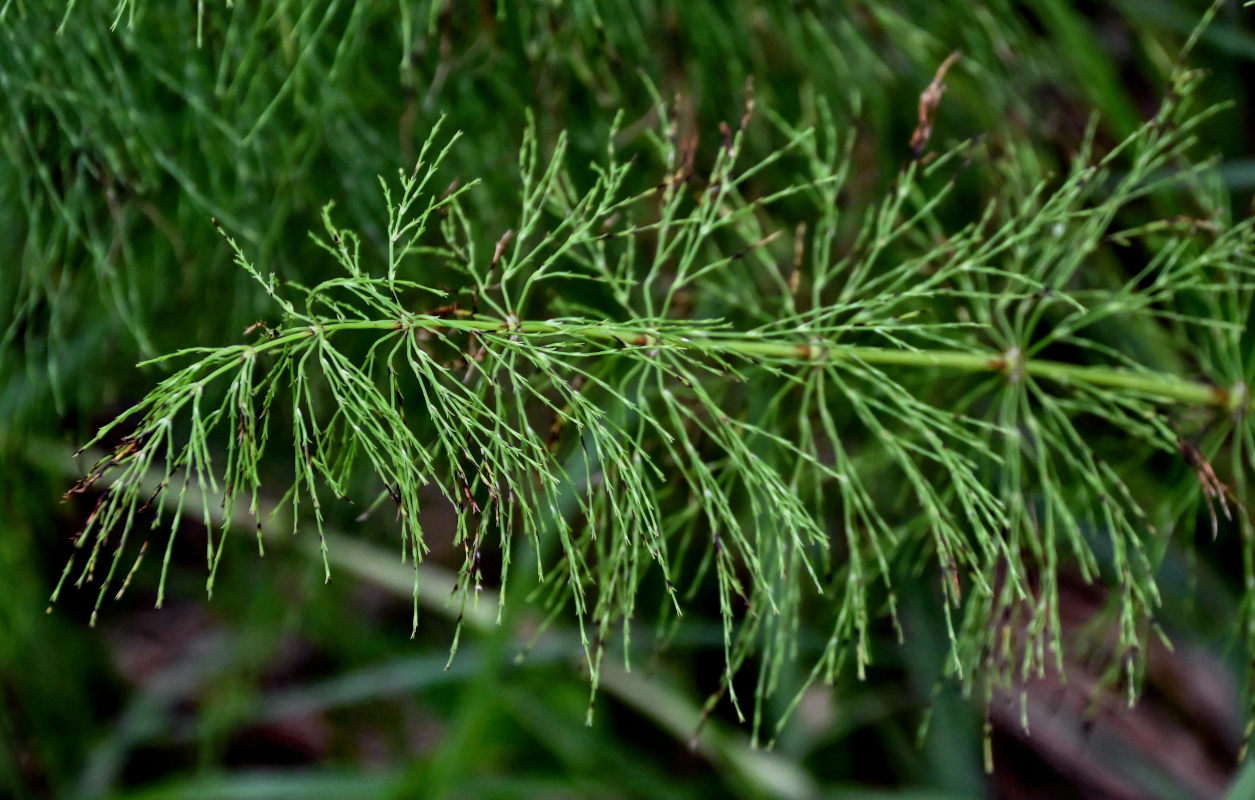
(815, 351)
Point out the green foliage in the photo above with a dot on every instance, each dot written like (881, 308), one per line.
(661, 369)
(788, 433)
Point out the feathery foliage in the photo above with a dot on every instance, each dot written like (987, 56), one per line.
(663, 380)
(740, 408)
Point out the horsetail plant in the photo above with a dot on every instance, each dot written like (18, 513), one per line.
(665, 382)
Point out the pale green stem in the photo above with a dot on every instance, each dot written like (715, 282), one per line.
(818, 351)
(763, 773)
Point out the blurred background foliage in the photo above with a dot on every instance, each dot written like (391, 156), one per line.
(118, 146)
